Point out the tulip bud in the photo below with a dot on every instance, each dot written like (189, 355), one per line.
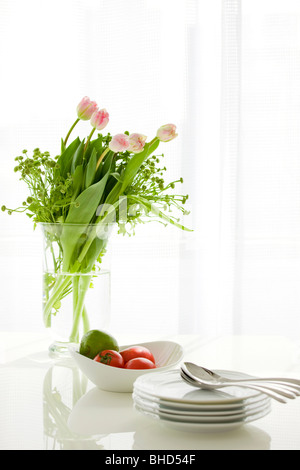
(136, 142)
(119, 143)
(100, 119)
(86, 108)
(166, 133)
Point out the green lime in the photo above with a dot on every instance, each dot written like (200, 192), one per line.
(95, 341)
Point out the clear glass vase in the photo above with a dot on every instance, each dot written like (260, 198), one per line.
(76, 282)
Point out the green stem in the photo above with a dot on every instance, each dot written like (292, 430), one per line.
(72, 127)
(46, 293)
(101, 157)
(85, 320)
(84, 283)
(58, 289)
(88, 140)
(75, 298)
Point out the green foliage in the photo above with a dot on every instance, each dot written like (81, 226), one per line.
(70, 187)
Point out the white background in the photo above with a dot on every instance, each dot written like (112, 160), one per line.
(227, 73)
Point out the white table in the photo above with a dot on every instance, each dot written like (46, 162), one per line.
(50, 405)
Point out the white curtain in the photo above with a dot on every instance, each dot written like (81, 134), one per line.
(228, 74)
(261, 167)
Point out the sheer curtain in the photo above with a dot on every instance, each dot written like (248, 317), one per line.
(227, 73)
(267, 205)
(258, 247)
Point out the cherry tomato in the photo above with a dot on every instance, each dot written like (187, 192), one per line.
(110, 357)
(137, 351)
(140, 363)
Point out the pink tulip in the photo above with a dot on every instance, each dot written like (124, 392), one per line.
(166, 133)
(100, 119)
(119, 143)
(86, 108)
(136, 142)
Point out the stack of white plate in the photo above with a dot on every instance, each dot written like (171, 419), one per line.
(167, 398)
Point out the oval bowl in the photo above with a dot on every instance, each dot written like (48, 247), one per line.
(113, 379)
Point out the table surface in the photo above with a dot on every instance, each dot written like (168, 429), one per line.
(51, 405)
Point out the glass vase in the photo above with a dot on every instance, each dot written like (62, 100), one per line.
(76, 282)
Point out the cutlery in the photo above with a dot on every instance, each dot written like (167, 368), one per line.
(207, 375)
(280, 389)
(270, 393)
(204, 378)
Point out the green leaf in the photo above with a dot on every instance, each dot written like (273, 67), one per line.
(98, 172)
(93, 253)
(77, 157)
(85, 205)
(107, 166)
(66, 157)
(91, 169)
(34, 207)
(80, 215)
(77, 181)
(97, 144)
(94, 144)
(116, 175)
(62, 146)
(108, 161)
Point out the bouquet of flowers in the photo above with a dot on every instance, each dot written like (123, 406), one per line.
(91, 184)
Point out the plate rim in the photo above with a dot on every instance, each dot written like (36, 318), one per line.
(204, 418)
(207, 423)
(200, 411)
(219, 401)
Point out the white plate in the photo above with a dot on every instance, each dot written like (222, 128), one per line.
(203, 427)
(171, 387)
(196, 412)
(173, 404)
(199, 418)
(113, 379)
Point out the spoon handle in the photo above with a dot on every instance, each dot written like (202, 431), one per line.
(277, 395)
(281, 380)
(290, 388)
(281, 389)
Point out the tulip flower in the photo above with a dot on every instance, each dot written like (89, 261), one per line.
(136, 143)
(86, 108)
(100, 119)
(119, 143)
(166, 133)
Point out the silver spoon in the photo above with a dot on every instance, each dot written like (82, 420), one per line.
(279, 389)
(205, 374)
(197, 384)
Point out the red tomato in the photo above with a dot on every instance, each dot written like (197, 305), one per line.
(137, 351)
(140, 363)
(110, 357)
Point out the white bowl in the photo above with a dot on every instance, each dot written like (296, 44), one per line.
(114, 379)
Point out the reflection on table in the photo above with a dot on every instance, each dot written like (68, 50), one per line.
(78, 418)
